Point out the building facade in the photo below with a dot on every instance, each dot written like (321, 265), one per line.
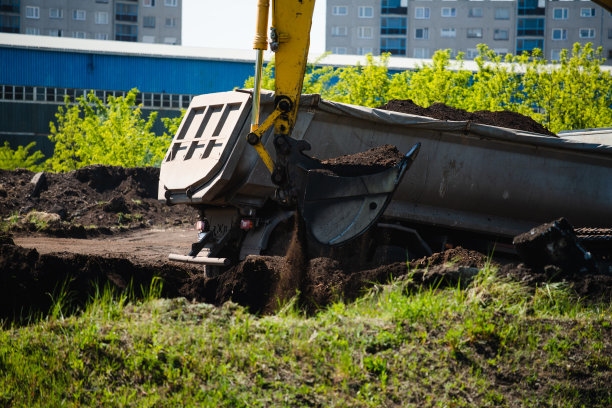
(417, 28)
(150, 21)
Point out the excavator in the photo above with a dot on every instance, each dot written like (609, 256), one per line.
(334, 209)
(248, 178)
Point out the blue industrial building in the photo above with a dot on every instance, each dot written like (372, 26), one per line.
(37, 72)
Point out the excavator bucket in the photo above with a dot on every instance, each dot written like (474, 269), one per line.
(338, 209)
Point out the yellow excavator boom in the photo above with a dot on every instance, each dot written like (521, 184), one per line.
(335, 209)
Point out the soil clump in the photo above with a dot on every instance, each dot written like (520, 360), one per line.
(88, 201)
(507, 119)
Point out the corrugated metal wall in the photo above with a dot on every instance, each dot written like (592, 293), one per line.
(118, 72)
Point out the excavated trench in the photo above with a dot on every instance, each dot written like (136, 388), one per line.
(108, 202)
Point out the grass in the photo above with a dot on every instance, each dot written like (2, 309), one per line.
(494, 343)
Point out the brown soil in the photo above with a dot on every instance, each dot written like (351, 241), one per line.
(105, 197)
(441, 111)
(368, 162)
(34, 266)
(30, 278)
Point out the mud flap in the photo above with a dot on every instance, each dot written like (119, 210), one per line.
(338, 209)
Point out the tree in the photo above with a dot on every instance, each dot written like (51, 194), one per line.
(21, 158)
(91, 132)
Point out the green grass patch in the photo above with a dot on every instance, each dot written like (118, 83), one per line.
(494, 343)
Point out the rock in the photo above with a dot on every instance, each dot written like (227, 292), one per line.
(59, 210)
(44, 218)
(116, 205)
(555, 244)
(40, 184)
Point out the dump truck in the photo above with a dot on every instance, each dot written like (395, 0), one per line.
(467, 184)
(472, 185)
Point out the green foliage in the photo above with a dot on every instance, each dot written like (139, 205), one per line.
(572, 93)
(21, 158)
(172, 124)
(91, 132)
(393, 346)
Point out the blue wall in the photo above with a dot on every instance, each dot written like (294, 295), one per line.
(65, 69)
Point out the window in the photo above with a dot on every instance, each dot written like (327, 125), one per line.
(339, 50)
(394, 7)
(79, 34)
(560, 13)
(531, 8)
(32, 12)
(339, 31)
(56, 13)
(126, 12)
(171, 3)
(33, 31)
(559, 34)
(170, 21)
(421, 33)
(126, 32)
(474, 33)
(530, 26)
(394, 46)
(364, 50)
(366, 12)
(502, 13)
(586, 33)
(448, 33)
(339, 11)
(79, 15)
(421, 13)
(475, 12)
(587, 12)
(148, 22)
(101, 17)
(9, 24)
(471, 53)
(148, 39)
(449, 12)
(528, 45)
(170, 40)
(365, 32)
(555, 55)
(148, 3)
(393, 25)
(56, 33)
(10, 6)
(101, 1)
(500, 51)
(101, 36)
(500, 34)
(420, 53)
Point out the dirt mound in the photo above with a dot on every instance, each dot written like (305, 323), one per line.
(367, 162)
(453, 256)
(29, 281)
(103, 197)
(441, 111)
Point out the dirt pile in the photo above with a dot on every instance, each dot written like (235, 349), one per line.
(29, 281)
(370, 161)
(441, 111)
(94, 196)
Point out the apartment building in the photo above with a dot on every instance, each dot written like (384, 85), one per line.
(151, 21)
(417, 28)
